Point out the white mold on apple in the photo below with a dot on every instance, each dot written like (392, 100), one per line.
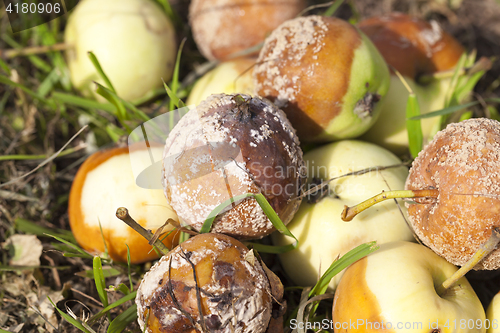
(223, 28)
(325, 74)
(455, 186)
(231, 145)
(206, 284)
(322, 235)
(462, 162)
(133, 40)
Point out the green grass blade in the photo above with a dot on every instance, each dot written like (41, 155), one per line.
(122, 105)
(128, 269)
(339, 265)
(107, 272)
(268, 210)
(173, 97)
(35, 60)
(110, 96)
(414, 127)
(100, 71)
(5, 67)
(176, 20)
(73, 246)
(7, 81)
(467, 86)
(48, 83)
(451, 93)
(113, 305)
(274, 249)
(183, 237)
(207, 225)
(100, 282)
(24, 268)
(333, 8)
(83, 102)
(29, 227)
(70, 319)
(445, 111)
(275, 220)
(123, 319)
(175, 75)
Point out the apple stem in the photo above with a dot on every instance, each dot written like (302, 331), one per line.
(482, 252)
(350, 212)
(26, 51)
(122, 214)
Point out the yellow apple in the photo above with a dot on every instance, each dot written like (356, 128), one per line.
(394, 290)
(228, 77)
(493, 315)
(322, 235)
(133, 40)
(389, 130)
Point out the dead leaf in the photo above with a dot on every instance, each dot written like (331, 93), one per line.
(26, 249)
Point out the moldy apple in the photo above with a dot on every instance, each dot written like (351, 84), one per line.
(209, 283)
(325, 74)
(231, 145)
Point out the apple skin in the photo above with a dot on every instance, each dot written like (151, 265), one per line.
(228, 77)
(223, 28)
(325, 74)
(396, 284)
(322, 235)
(413, 47)
(105, 182)
(389, 130)
(133, 40)
(493, 315)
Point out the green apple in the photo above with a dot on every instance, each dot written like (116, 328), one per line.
(133, 40)
(493, 315)
(322, 235)
(394, 290)
(389, 130)
(325, 74)
(228, 77)
(415, 48)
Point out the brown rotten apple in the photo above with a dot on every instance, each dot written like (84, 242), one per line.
(417, 49)
(228, 146)
(455, 183)
(325, 74)
(210, 283)
(104, 182)
(222, 28)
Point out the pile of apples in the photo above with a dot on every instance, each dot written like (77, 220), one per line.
(334, 87)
